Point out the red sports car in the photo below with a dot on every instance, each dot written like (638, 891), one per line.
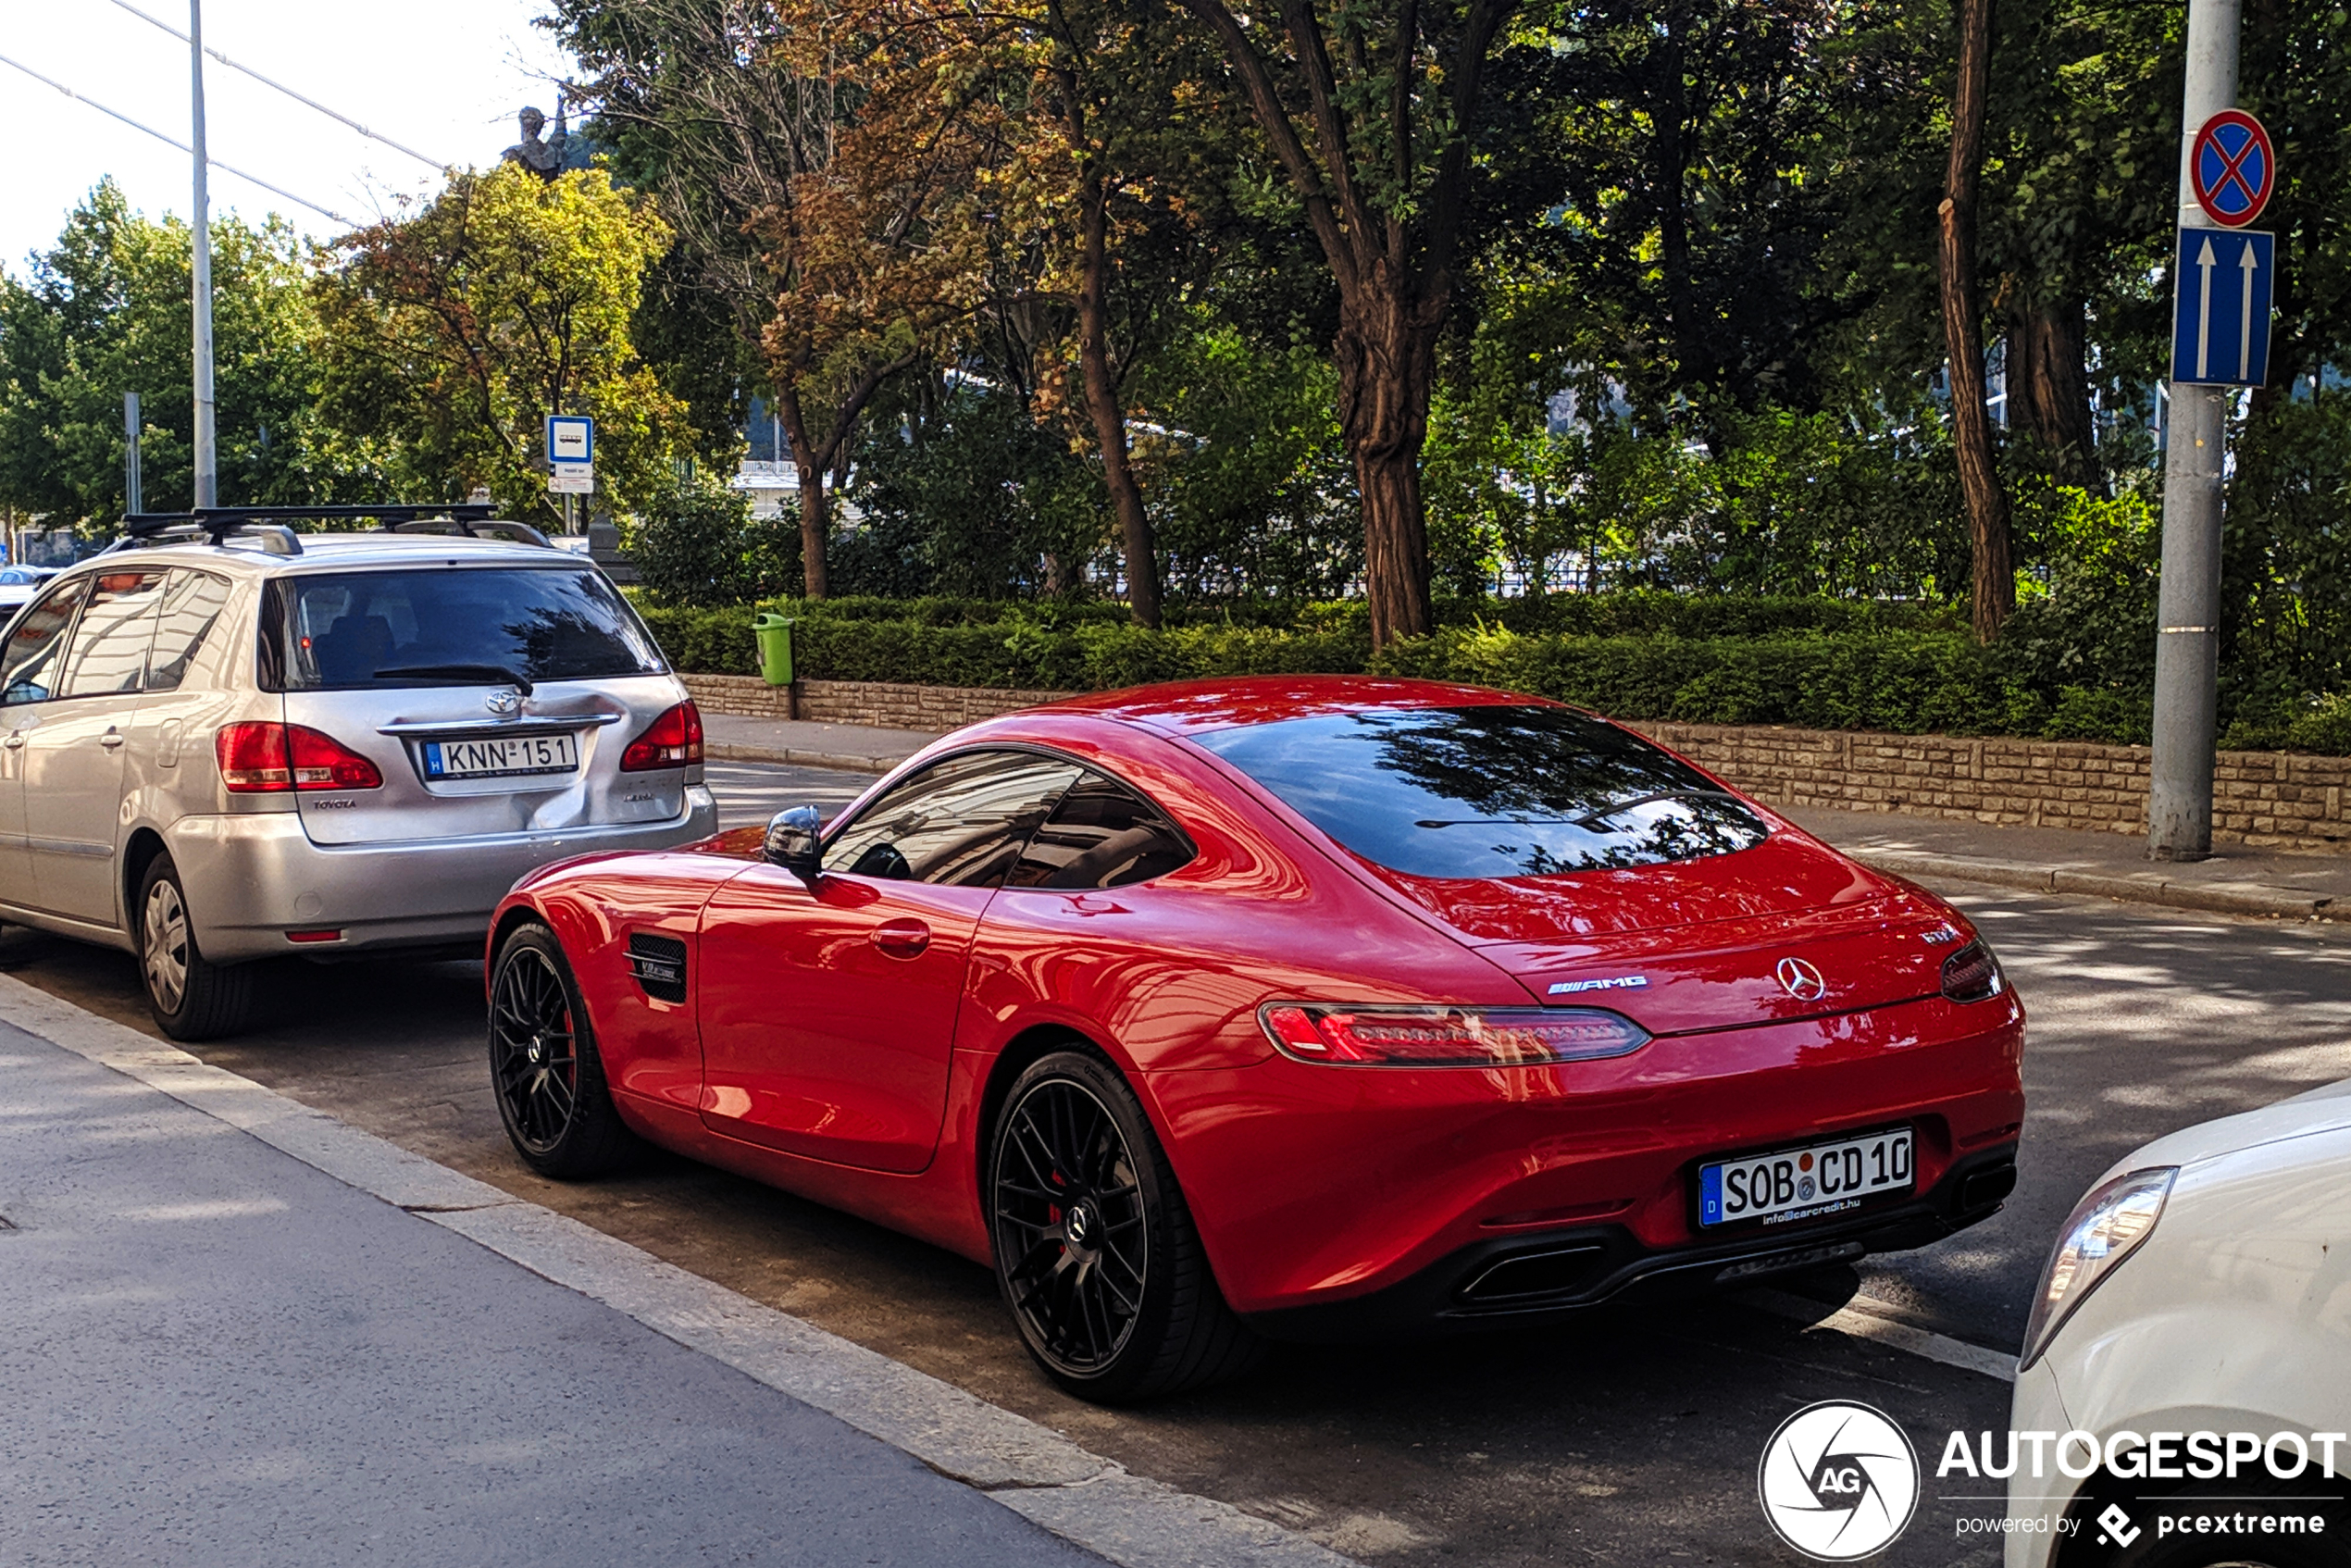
(1283, 1007)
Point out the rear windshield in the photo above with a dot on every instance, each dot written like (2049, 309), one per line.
(1505, 791)
(452, 625)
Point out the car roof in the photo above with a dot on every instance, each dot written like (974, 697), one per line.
(1193, 706)
(244, 554)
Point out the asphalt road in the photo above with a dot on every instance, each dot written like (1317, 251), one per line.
(1623, 1439)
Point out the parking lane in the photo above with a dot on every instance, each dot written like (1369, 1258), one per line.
(1624, 1439)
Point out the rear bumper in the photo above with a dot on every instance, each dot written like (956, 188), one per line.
(252, 879)
(1531, 1279)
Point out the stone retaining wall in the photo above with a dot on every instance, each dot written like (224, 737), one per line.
(2262, 799)
(885, 704)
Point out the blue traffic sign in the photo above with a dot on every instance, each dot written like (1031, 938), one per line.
(571, 438)
(2222, 282)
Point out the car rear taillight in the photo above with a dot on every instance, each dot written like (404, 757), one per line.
(261, 759)
(1448, 1036)
(1972, 975)
(672, 741)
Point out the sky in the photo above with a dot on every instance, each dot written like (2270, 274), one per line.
(444, 77)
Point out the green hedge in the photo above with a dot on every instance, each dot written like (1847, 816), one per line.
(1874, 672)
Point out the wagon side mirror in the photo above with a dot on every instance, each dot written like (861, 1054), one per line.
(791, 841)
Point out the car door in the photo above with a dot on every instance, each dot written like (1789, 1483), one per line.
(829, 1014)
(29, 664)
(175, 716)
(73, 755)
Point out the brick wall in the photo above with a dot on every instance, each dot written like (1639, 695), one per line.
(883, 703)
(2262, 799)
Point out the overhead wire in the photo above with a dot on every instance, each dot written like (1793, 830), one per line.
(175, 141)
(436, 165)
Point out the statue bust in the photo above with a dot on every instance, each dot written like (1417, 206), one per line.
(544, 157)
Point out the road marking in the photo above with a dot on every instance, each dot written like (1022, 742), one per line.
(1087, 1500)
(1864, 1317)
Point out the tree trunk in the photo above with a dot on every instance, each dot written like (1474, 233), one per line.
(816, 507)
(1992, 570)
(1102, 404)
(2049, 388)
(1387, 354)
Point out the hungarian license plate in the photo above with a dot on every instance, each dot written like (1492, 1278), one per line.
(504, 757)
(1808, 1182)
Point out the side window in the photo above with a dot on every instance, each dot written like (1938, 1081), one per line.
(1101, 835)
(108, 653)
(29, 663)
(191, 602)
(960, 823)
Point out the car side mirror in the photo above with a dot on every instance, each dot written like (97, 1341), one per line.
(791, 841)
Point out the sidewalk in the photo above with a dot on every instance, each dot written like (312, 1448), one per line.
(2234, 881)
(219, 1354)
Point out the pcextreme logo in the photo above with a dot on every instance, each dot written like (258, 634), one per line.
(1838, 1481)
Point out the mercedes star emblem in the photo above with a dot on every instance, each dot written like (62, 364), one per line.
(1801, 980)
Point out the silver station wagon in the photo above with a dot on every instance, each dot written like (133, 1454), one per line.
(223, 741)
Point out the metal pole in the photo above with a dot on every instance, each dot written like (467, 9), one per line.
(2187, 643)
(207, 459)
(131, 500)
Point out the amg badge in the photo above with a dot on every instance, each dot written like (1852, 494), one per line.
(1614, 983)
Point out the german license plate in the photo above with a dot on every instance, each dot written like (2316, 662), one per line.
(1808, 1182)
(504, 757)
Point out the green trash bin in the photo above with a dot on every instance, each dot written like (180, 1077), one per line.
(775, 649)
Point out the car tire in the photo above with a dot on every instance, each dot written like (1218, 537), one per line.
(192, 997)
(1095, 1253)
(544, 1069)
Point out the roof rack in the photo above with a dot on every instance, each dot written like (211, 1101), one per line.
(483, 527)
(270, 525)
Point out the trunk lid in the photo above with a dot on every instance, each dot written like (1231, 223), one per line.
(1697, 945)
(585, 724)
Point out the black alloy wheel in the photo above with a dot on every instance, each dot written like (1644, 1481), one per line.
(1095, 1250)
(543, 1066)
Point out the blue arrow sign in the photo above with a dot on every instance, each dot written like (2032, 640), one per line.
(2222, 280)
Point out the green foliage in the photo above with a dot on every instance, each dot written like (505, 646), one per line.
(698, 546)
(105, 312)
(448, 336)
(1253, 486)
(1724, 659)
(967, 493)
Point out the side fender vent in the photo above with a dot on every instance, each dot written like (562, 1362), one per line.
(659, 963)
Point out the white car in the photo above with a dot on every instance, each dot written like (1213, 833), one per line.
(19, 584)
(2194, 1324)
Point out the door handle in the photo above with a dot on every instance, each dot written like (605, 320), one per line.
(111, 738)
(15, 740)
(902, 938)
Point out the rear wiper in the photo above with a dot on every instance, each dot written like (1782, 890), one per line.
(513, 678)
(1588, 818)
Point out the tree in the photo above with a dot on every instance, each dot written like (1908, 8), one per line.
(1372, 112)
(1993, 579)
(105, 312)
(829, 204)
(451, 335)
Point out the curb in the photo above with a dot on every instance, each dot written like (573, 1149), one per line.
(2218, 898)
(1091, 1502)
(745, 751)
